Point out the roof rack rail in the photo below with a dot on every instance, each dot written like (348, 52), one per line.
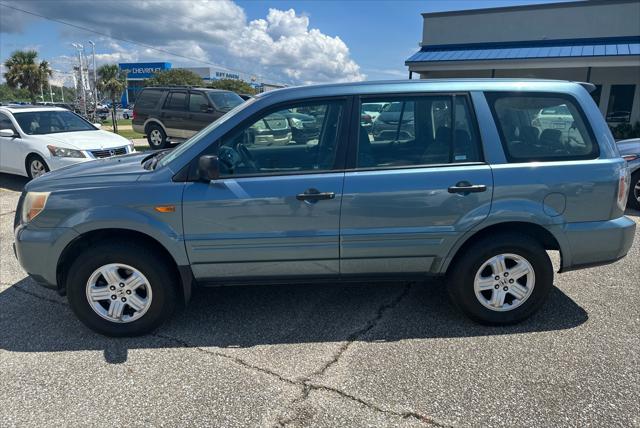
(590, 87)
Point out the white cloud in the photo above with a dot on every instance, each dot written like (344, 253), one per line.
(282, 47)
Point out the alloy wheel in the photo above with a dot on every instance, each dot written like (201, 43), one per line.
(504, 282)
(37, 168)
(156, 137)
(118, 293)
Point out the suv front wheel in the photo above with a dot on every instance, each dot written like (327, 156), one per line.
(156, 137)
(121, 289)
(501, 279)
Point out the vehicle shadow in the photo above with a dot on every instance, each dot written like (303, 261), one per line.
(242, 317)
(12, 182)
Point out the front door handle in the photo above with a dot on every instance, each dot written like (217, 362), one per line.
(466, 187)
(314, 195)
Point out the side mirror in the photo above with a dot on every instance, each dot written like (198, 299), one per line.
(9, 133)
(98, 125)
(209, 167)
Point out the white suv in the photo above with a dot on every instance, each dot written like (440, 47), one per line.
(37, 139)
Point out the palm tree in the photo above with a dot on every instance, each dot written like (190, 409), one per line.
(23, 71)
(112, 81)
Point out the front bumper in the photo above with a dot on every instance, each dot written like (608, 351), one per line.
(597, 242)
(38, 251)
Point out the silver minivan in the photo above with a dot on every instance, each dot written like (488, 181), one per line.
(466, 181)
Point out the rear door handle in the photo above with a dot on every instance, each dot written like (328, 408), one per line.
(466, 187)
(313, 195)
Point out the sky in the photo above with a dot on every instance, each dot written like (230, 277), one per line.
(278, 41)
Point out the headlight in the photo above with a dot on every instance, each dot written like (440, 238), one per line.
(61, 152)
(296, 123)
(33, 205)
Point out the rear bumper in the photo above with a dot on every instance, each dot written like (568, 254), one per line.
(597, 243)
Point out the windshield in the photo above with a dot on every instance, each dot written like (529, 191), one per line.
(225, 100)
(51, 122)
(202, 133)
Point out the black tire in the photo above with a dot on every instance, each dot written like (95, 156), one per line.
(30, 161)
(634, 192)
(156, 137)
(150, 263)
(460, 281)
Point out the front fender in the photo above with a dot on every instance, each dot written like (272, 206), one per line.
(165, 231)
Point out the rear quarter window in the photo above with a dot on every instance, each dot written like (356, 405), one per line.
(148, 99)
(538, 127)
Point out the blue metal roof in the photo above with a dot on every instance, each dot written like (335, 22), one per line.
(611, 46)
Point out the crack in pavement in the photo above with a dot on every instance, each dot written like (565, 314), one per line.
(8, 212)
(306, 385)
(37, 296)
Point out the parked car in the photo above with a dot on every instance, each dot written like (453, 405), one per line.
(274, 129)
(173, 114)
(464, 196)
(35, 140)
(373, 110)
(630, 151)
(619, 116)
(395, 122)
(127, 113)
(304, 127)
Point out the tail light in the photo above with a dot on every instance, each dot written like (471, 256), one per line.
(133, 115)
(623, 187)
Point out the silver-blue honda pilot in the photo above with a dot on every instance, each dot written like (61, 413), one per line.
(472, 179)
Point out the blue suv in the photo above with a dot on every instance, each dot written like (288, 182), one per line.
(468, 181)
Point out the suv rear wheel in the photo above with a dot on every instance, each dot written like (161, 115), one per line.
(156, 137)
(121, 289)
(501, 279)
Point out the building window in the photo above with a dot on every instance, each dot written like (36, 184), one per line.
(620, 103)
(596, 94)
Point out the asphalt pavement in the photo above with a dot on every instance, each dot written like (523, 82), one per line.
(395, 354)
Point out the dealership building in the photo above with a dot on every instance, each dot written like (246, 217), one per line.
(596, 41)
(138, 72)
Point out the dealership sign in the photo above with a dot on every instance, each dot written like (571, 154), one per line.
(142, 70)
(225, 75)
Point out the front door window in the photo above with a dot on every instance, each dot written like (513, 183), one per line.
(301, 138)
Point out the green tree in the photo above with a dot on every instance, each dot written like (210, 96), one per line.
(237, 86)
(13, 94)
(174, 76)
(25, 72)
(113, 81)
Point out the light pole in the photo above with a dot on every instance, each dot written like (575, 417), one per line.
(95, 80)
(80, 48)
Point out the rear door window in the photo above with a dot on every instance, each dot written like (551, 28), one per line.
(176, 101)
(414, 131)
(541, 127)
(148, 99)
